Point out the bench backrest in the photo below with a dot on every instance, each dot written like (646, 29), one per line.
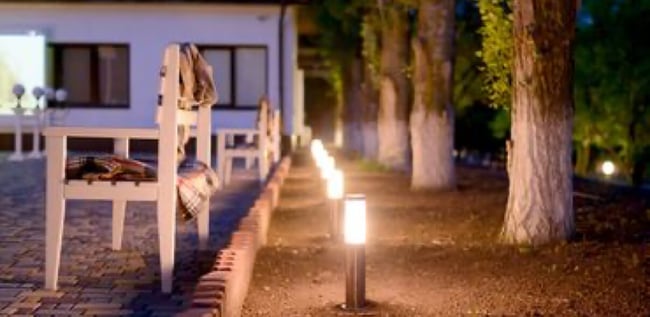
(170, 116)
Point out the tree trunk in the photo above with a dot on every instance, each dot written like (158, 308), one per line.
(338, 119)
(432, 117)
(393, 99)
(353, 111)
(370, 108)
(540, 201)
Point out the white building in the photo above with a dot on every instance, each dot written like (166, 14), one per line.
(107, 55)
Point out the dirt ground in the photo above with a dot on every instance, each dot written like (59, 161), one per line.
(436, 254)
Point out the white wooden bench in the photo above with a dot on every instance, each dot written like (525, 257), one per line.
(266, 151)
(163, 190)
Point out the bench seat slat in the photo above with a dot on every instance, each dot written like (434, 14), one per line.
(107, 190)
(108, 133)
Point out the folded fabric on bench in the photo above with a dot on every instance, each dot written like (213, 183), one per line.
(196, 181)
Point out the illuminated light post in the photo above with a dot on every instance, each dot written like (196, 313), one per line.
(316, 146)
(56, 99)
(38, 92)
(326, 170)
(327, 167)
(608, 168)
(18, 90)
(354, 227)
(321, 155)
(335, 191)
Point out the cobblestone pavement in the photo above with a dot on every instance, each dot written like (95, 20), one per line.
(93, 279)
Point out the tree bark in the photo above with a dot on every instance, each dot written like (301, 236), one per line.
(393, 99)
(540, 201)
(370, 108)
(353, 111)
(432, 117)
(338, 119)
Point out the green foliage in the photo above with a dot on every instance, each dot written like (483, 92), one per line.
(612, 86)
(340, 24)
(497, 50)
(468, 79)
(500, 125)
(370, 47)
(372, 166)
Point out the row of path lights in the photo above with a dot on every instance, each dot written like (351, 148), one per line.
(353, 223)
(38, 116)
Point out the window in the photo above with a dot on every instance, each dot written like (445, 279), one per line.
(95, 75)
(240, 73)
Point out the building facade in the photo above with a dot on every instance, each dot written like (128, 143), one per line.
(107, 56)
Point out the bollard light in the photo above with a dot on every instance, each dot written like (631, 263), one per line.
(355, 258)
(316, 146)
(355, 219)
(321, 155)
(335, 195)
(327, 167)
(608, 168)
(335, 185)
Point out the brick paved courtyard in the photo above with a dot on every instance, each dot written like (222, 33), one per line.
(94, 280)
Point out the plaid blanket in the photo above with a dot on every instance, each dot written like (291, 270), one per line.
(196, 181)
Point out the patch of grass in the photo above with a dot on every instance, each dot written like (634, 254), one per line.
(372, 166)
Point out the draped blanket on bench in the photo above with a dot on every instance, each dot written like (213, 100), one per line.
(195, 184)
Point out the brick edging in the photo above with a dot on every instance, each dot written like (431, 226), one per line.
(222, 291)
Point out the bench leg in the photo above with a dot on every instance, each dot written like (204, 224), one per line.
(263, 167)
(166, 234)
(119, 209)
(54, 210)
(203, 223)
(249, 160)
(54, 240)
(221, 154)
(228, 169)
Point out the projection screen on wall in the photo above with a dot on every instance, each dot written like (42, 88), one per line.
(22, 61)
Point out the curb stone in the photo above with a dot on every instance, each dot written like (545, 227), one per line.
(221, 292)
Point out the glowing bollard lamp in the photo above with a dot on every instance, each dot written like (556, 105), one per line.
(316, 147)
(335, 200)
(326, 170)
(355, 258)
(608, 168)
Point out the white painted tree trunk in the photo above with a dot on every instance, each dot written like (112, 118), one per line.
(392, 131)
(540, 201)
(432, 138)
(432, 117)
(392, 122)
(353, 112)
(338, 121)
(370, 140)
(370, 99)
(353, 140)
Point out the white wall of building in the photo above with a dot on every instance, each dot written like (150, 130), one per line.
(147, 29)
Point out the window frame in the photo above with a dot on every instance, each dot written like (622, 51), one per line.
(233, 105)
(57, 77)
